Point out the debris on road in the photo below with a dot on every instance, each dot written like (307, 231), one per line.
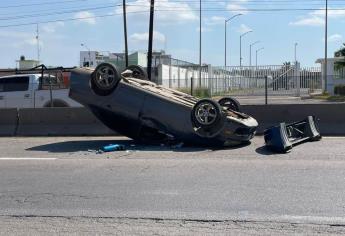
(113, 148)
(283, 137)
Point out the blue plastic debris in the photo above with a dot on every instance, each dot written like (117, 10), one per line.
(113, 147)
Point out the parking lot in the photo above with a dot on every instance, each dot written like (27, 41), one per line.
(63, 182)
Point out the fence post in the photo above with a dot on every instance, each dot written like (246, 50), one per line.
(191, 85)
(298, 78)
(209, 80)
(266, 89)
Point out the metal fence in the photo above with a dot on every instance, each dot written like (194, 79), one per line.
(246, 81)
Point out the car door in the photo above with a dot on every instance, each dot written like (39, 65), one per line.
(18, 92)
(2, 93)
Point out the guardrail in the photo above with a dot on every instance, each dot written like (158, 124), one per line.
(81, 122)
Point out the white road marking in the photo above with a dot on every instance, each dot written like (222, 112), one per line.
(26, 159)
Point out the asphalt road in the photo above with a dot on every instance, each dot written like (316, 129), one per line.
(61, 185)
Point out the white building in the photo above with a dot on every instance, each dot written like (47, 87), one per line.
(333, 77)
(24, 64)
(93, 58)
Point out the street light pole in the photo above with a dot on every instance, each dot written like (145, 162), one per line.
(241, 36)
(256, 60)
(250, 52)
(225, 41)
(326, 44)
(89, 52)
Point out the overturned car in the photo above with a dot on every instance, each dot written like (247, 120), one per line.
(137, 108)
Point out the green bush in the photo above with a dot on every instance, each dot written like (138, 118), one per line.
(197, 92)
(339, 89)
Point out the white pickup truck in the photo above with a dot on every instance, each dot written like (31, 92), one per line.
(30, 91)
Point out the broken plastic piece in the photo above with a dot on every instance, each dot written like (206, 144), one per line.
(283, 137)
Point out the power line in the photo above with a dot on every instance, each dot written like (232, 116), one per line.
(42, 3)
(55, 13)
(67, 19)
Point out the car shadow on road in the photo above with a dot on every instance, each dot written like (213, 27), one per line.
(95, 145)
(265, 151)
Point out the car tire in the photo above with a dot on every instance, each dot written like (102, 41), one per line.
(138, 72)
(230, 103)
(105, 79)
(206, 113)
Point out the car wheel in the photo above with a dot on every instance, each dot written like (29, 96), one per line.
(206, 113)
(230, 103)
(138, 72)
(104, 79)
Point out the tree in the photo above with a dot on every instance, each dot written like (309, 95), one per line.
(340, 52)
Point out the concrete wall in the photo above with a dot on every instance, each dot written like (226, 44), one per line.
(8, 122)
(50, 122)
(79, 121)
(331, 117)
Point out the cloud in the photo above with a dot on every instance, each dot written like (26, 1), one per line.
(335, 38)
(311, 21)
(238, 7)
(317, 18)
(143, 37)
(332, 13)
(166, 12)
(19, 39)
(244, 28)
(215, 20)
(203, 29)
(15, 34)
(51, 27)
(86, 17)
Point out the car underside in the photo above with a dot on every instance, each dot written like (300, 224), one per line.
(133, 106)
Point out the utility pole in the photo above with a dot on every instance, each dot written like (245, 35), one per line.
(241, 36)
(38, 43)
(225, 34)
(250, 52)
(149, 54)
(326, 44)
(125, 31)
(200, 43)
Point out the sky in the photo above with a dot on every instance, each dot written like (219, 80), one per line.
(66, 24)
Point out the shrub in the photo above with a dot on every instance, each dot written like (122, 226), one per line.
(339, 89)
(197, 92)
